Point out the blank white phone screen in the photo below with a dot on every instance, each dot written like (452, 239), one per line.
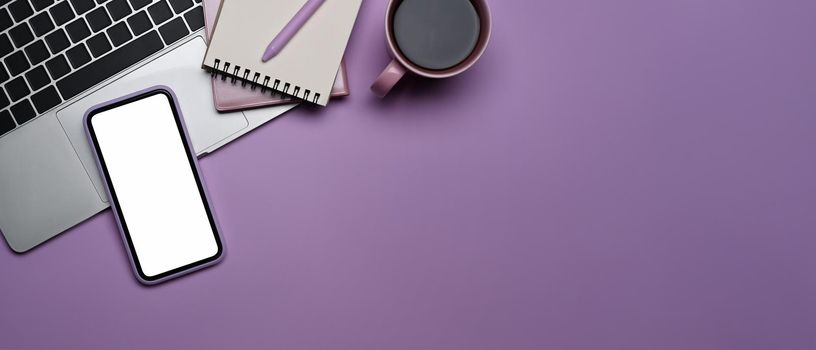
(154, 183)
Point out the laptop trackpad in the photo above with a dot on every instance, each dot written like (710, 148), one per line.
(180, 69)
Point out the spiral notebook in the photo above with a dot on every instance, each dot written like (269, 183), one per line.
(231, 96)
(306, 67)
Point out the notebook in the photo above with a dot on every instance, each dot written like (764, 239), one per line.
(230, 96)
(306, 67)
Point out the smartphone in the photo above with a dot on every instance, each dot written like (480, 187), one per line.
(151, 175)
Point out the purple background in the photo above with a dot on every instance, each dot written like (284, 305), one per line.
(631, 174)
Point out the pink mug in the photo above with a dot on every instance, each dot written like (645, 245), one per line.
(400, 64)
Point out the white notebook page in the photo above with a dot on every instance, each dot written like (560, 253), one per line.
(308, 62)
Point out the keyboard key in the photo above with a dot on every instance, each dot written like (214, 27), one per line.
(57, 41)
(139, 23)
(180, 5)
(41, 24)
(5, 20)
(21, 35)
(99, 44)
(98, 19)
(36, 52)
(119, 34)
(17, 88)
(173, 31)
(101, 1)
(37, 78)
(16, 63)
(3, 75)
(20, 10)
(78, 30)
(195, 18)
(23, 112)
(159, 12)
(137, 4)
(82, 6)
(110, 64)
(6, 122)
(41, 4)
(118, 9)
(58, 67)
(4, 101)
(5, 45)
(46, 99)
(78, 55)
(61, 12)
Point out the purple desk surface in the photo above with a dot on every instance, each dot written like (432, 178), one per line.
(631, 174)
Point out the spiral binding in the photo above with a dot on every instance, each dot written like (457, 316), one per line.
(251, 78)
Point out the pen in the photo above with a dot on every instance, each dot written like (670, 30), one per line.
(291, 28)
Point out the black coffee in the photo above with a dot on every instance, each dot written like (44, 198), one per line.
(436, 34)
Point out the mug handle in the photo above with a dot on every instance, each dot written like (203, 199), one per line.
(388, 78)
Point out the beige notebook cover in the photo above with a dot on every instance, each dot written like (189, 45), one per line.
(308, 64)
(230, 96)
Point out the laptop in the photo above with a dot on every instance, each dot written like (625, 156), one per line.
(59, 58)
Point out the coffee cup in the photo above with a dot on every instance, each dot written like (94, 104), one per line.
(433, 39)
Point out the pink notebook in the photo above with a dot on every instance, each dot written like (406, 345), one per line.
(230, 95)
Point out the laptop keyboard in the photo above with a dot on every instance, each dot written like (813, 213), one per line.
(52, 50)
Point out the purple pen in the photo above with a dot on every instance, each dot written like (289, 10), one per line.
(291, 28)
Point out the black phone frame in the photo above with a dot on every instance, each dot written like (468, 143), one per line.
(115, 200)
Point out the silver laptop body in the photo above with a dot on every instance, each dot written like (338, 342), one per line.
(48, 180)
